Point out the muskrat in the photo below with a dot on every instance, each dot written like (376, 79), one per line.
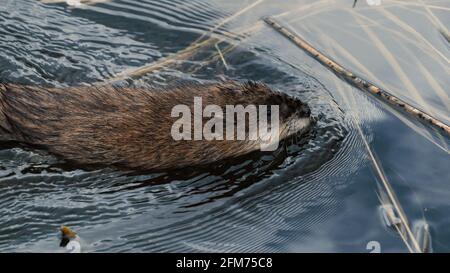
(131, 127)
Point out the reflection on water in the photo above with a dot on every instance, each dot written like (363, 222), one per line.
(317, 193)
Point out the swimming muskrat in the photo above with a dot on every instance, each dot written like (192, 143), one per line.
(131, 127)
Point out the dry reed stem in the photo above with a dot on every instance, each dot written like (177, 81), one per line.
(357, 81)
(388, 190)
(182, 54)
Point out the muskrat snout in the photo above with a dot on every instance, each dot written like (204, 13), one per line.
(303, 111)
(295, 116)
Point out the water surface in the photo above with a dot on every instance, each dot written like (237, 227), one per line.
(322, 194)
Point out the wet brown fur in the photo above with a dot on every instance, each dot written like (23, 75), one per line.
(125, 127)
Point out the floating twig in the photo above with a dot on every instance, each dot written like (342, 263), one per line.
(164, 62)
(357, 81)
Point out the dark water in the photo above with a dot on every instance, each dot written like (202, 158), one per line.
(322, 194)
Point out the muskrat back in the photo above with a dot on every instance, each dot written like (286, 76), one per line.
(131, 127)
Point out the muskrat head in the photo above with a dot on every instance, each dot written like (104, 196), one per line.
(294, 115)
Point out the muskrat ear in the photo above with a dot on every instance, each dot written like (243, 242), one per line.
(231, 87)
(253, 86)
